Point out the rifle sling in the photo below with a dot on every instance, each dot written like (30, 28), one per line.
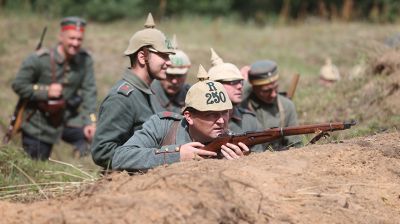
(170, 138)
(281, 112)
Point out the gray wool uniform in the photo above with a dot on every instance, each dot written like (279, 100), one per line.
(270, 116)
(32, 82)
(243, 120)
(144, 150)
(174, 103)
(127, 106)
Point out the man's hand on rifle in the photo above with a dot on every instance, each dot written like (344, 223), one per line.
(193, 151)
(89, 131)
(55, 91)
(232, 151)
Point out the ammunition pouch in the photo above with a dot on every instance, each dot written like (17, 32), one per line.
(74, 102)
(54, 110)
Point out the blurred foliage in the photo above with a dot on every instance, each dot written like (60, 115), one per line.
(259, 11)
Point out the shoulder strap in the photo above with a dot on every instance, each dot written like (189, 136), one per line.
(53, 67)
(170, 138)
(281, 113)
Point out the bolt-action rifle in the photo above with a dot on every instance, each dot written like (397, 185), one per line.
(16, 118)
(269, 135)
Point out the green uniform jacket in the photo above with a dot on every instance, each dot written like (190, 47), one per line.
(129, 103)
(173, 104)
(243, 120)
(269, 117)
(33, 79)
(144, 150)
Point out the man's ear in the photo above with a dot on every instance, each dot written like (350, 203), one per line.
(188, 117)
(141, 57)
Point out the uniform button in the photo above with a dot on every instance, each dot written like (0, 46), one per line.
(177, 149)
(166, 149)
(157, 151)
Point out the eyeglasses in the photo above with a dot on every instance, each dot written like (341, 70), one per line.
(233, 82)
(162, 55)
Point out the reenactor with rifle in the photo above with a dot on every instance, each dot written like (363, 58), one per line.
(131, 102)
(171, 92)
(271, 108)
(168, 137)
(201, 132)
(241, 120)
(52, 84)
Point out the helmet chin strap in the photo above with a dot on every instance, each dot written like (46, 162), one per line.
(146, 53)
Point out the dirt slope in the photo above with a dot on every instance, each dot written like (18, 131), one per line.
(357, 181)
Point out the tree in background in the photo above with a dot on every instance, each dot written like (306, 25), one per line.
(260, 11)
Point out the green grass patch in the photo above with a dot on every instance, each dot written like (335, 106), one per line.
(22, 179)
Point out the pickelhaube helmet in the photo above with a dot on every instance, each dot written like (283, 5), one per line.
(263, 72)
(207, 95)
(221, 71)
(180, 62)
(149, 36)
(329, 71)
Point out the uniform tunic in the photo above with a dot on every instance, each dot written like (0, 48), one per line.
(175, 103)
(129, 103)
(243, 120)
(144, 150)
(33, 79)
(269, 117)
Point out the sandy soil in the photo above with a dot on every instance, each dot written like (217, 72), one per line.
(355, 181)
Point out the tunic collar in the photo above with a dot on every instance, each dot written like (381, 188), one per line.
(134, 80)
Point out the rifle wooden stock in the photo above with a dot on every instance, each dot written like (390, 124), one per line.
(269, 135)
(293, 85)
(15, 121)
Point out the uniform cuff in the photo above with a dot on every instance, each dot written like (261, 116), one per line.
(40, 92)
(169, 154)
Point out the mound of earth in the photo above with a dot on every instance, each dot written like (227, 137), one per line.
(355, 181)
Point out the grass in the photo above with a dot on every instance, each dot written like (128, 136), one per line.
(298, 48)
(22, 179)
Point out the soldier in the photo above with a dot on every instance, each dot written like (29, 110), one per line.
(49, 81)
(328, 74)
(171, 92)
(241, 120)
(130, 102)
(271, 108)
(168, 137)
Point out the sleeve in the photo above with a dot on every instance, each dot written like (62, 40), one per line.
(25, 82)
(89, 93)
(114, 127)
(143, 151)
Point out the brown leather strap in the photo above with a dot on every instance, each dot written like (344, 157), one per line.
(170, 138)
(281, 113)
(53, 67)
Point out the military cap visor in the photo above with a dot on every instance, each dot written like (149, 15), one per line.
(263, 72)
(73, 23)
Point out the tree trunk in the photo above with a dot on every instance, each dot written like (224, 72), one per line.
(347, 10)
(285, 12)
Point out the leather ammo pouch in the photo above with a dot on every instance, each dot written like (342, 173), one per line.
(54, 110)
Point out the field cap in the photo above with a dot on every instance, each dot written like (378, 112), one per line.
(180, 62)
(329, 71)
(221, 71)
(149, 36)
(207, 95)
(263, 72)
(73, 23)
